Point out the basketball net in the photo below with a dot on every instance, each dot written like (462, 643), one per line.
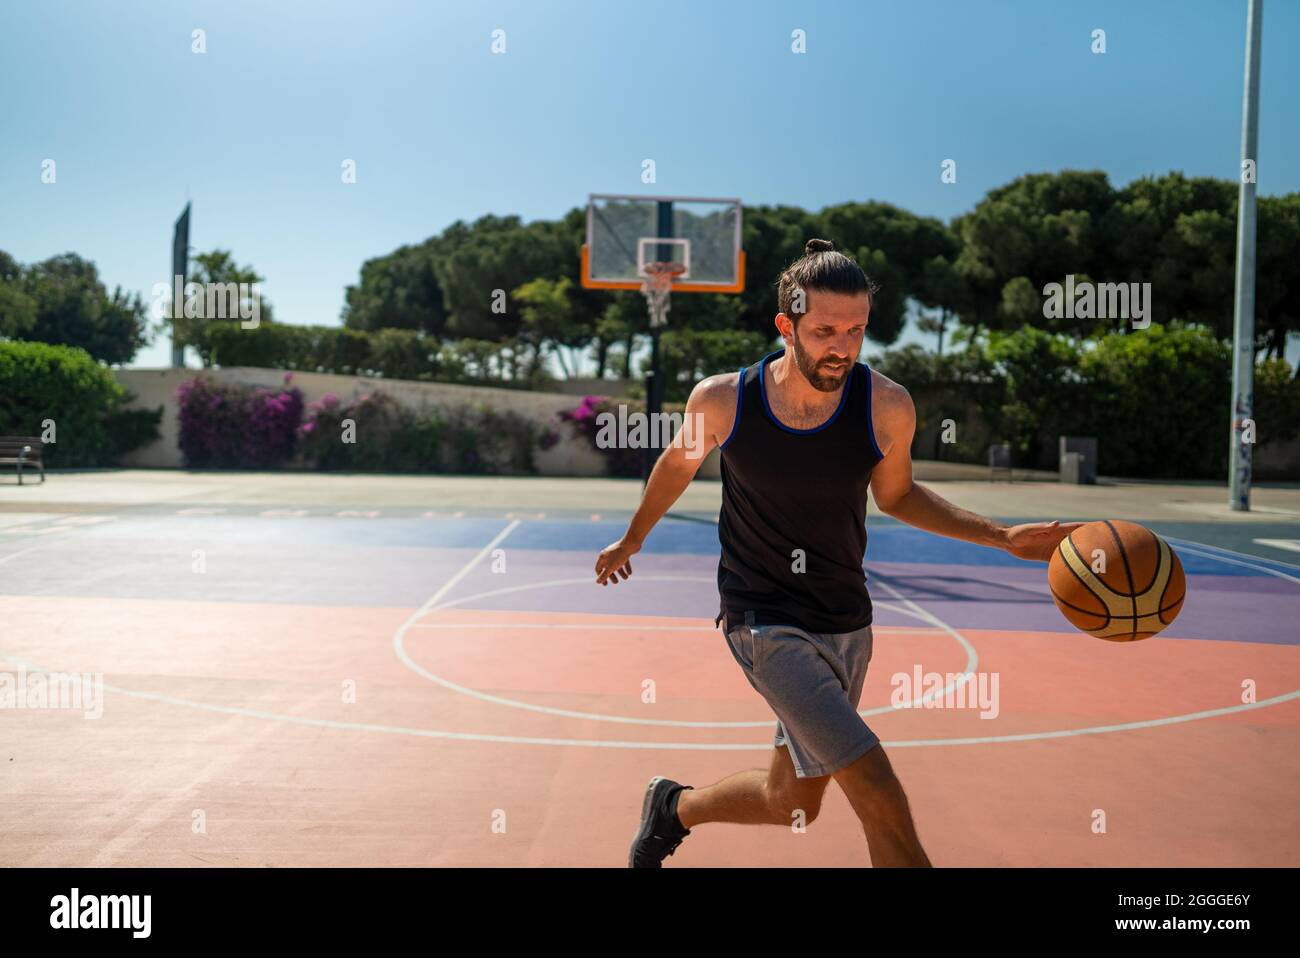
(657, 287)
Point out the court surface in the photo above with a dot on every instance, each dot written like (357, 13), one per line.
(342, 670)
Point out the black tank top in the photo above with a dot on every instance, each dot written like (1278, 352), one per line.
(787, 489)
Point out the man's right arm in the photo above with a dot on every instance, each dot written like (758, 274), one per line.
(710, 414)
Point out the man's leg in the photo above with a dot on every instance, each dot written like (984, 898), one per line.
(877, 797)
(755, 797)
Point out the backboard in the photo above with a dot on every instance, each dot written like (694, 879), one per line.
(627, 235)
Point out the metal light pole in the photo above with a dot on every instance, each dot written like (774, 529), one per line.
(1243, 368)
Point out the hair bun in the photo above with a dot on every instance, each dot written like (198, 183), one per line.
(818, 246)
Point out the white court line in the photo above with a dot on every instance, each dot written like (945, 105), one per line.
(20, 552)
(1231, 552)
(689, 746)
(1099, 729)
(450, 583)
(84, 520)
(1191, 547)
(1218, 552)
(397, 729)
(399, 647)
(605, 627)
(606, 743)
(972, 659)
(1290, 545)
(514, 626)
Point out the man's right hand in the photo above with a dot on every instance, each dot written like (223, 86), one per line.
(615, 560)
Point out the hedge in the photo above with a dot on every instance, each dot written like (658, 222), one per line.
(390, 353)
(1156, 399)
(65, 385)
(689, 355)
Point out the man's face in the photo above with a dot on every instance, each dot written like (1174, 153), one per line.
(827, 339)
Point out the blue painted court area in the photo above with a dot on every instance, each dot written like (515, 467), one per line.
(1230, 596)
(301, 556)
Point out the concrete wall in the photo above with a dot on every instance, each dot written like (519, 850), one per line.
(572, 456)
(590, 386)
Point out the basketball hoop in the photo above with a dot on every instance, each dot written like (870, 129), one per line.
(662, 245)
(657, 285)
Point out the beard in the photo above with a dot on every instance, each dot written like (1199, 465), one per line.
(815, 371)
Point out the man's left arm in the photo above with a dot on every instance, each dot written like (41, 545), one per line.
(898, 496)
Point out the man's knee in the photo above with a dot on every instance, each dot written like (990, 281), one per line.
(785, 803)
(790, 809)
(870, 776)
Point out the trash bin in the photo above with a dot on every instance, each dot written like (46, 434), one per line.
(1072, 466)
(1083, 470)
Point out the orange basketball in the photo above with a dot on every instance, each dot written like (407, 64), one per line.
(1116, 580)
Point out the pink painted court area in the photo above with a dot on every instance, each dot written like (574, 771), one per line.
(414, 688)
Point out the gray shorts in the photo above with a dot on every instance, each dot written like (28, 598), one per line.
(813, 682)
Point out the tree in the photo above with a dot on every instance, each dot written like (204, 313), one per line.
(548, 322)
(398, 291)
(1178, 234)
(623, 319)
(984, 272)
(889, 302)
(17, 309)
(894, 247)
(1040, 227)
(944, 289)
(773, 238)
(498, 253)
(73, 308)
(1277, 289)
(219, 269)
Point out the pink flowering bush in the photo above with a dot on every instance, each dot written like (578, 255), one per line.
(328, 442)
(242, 427)
(584, 421)
(387, 437)
(225, 425)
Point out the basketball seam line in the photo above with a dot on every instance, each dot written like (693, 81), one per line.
(1106, 615)
(1128, 573)
(1083, 582)
(1070, 605)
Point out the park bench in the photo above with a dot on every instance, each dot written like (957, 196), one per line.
(20, 452)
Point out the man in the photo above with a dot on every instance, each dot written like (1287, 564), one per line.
(803, 433)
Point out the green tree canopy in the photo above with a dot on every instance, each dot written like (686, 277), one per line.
(62, 301)
(986, 270)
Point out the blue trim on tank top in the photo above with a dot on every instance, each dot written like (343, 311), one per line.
(871, 425)
(762, 385)
(740, 394)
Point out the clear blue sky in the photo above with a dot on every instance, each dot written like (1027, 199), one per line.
(254, 131)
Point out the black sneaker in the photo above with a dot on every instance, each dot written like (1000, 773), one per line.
(661, 830)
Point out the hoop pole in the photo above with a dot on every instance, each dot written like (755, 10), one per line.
(657, 290)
